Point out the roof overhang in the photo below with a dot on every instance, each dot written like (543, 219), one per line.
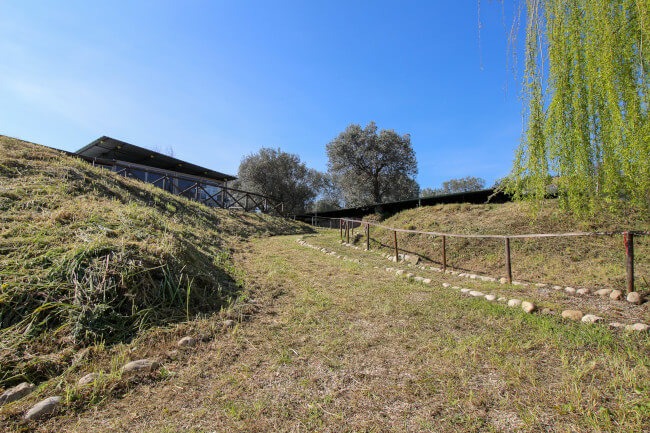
(112, 149)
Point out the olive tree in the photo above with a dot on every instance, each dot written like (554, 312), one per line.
(370, 167)
(281, 175)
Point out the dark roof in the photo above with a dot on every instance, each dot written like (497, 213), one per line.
(474, 197)
(112, 149)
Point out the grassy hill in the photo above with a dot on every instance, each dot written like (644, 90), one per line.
(590, 262)
(88, 257)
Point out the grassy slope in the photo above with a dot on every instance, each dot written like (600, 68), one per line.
(582, 262)
(343, 346)
(87, 256)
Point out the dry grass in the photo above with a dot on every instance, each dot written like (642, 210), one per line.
(90, 258)
(341, 346)
(592, 262)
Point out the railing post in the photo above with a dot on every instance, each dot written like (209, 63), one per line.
(367, 236)
(444, 254)
(508, 267)
(341, 227)
(395, 243)
(628, 239)
(347, 231)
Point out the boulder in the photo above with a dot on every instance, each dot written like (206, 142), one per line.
(572, 314)
(16, 393)
(43, 408)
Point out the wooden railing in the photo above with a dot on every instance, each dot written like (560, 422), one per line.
(346, 227)
(206, 191)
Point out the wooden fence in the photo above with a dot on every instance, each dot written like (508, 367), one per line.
(346, 227)
(206, 191)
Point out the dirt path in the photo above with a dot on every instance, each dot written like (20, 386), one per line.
(338, 346)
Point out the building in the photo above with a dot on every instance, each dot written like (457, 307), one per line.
(174, 175)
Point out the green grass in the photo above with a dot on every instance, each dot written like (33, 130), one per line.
(592, 262)
(342, 346)
(89, 257)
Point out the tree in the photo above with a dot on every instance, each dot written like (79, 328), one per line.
(280, 175)
(372, 168)
(454, 186)
(587, 90)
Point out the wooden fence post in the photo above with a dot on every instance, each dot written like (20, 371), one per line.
(367, 237)
(628, 239)
(508, 267)
(396, 250)
(341, 227)
(444, 254)
(347, 231)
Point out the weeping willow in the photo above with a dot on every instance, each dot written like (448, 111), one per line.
(587, 134)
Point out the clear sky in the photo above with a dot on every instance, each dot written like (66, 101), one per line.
(218, 80)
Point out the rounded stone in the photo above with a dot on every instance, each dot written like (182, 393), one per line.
(418, 279)
(603, 292)
(446, 285)
(591, 318)
(616, 295)
(638, 327)
(43, 408)
(88, 379)
(616, 325)
(634, 298)
(583, 291)
(514, 303)
(528, 307)
(476, 293)
(490, 297)
(16, 393)
(572, 314)
(186, 342)
(465, 290)
(570, 290)
(399, 272)
(503, 280)
(427, 281)
(502, 299)
(141, 366)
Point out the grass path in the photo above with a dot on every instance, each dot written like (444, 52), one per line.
(340, 346)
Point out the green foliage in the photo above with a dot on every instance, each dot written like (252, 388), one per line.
(371, 167)
(587, 128)
(281, 175)
(453, 186)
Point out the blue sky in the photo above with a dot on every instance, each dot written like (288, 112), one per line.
(218, 80)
